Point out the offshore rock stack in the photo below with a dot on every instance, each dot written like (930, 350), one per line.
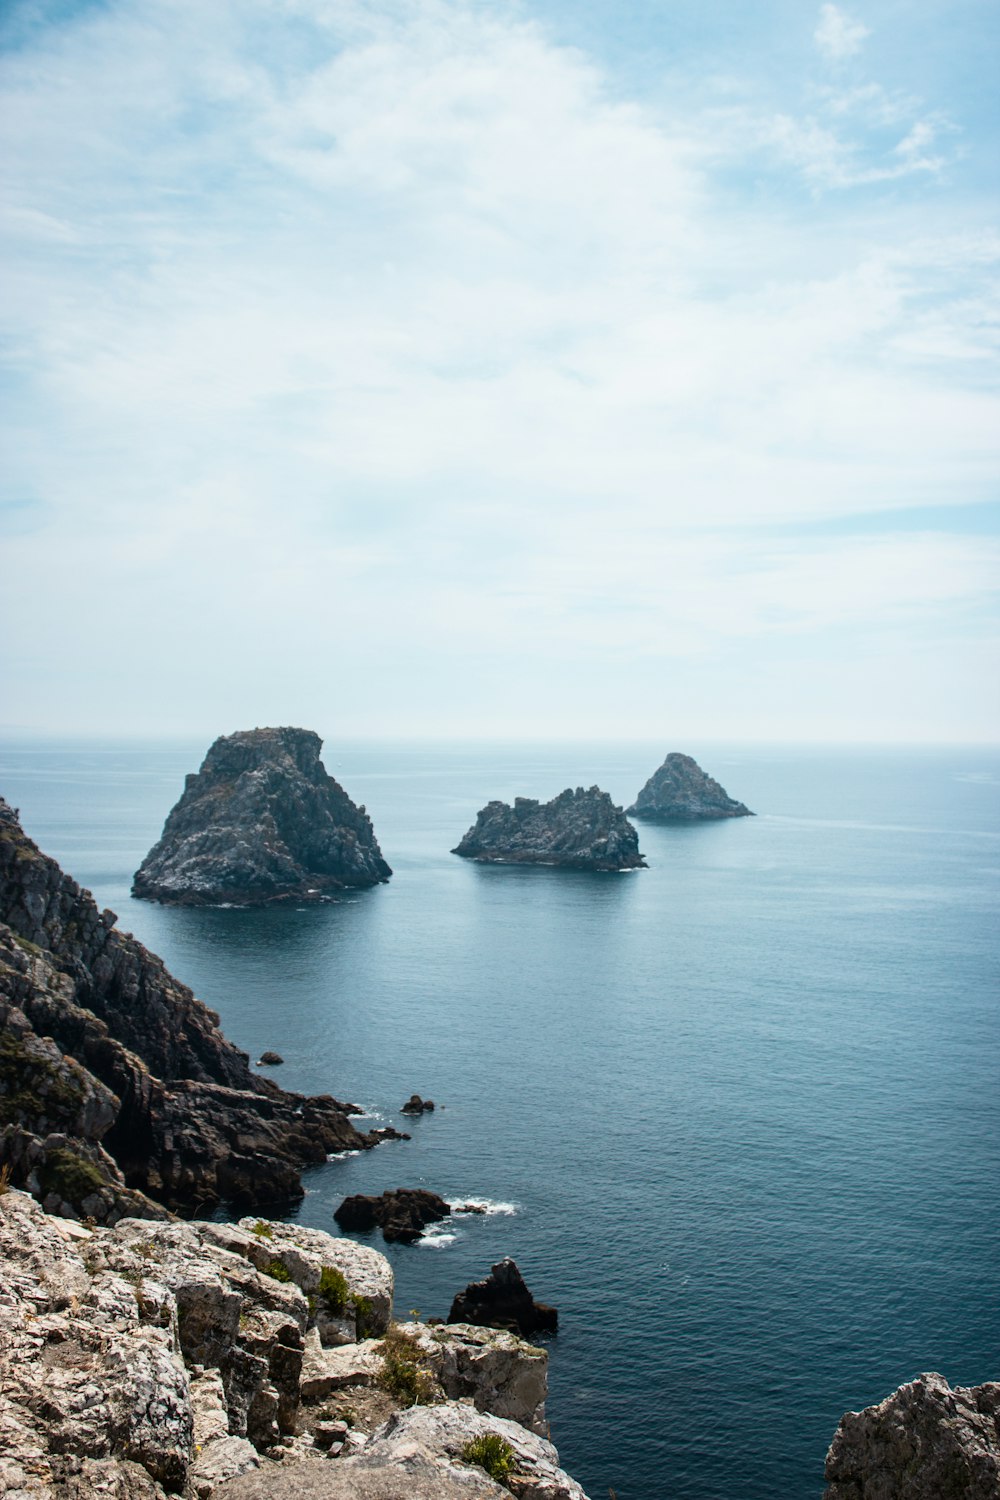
(681, 792)
(578, 830)
(261, 821)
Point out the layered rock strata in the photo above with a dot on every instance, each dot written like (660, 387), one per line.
(117, 1087)
(502, 1300)
(924, 1442)
(251, 1359)
(681, 792)
(261, 821)
(578, 830)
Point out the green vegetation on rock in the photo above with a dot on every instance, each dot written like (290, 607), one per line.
(492, 1453)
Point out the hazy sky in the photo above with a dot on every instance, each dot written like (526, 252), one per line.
(622, 368)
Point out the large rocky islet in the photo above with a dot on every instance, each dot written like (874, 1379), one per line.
(261, 821)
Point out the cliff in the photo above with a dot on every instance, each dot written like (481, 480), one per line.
(246, 1361)
(115, 1081)
(578, 830)
(924, 1442)
(681, 792)
(261, 821)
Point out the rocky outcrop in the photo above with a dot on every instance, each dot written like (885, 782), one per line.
(261, 821)
(401, 1213)
(116, 1082)
(192, 1358)
(681, 792)
(417, 1106)
(578, 830)
(502, 1300)
(924, 1442)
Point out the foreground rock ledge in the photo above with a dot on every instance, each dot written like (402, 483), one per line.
(924, 1442)
(242, 1361)
(578, 830)
(681, 792)
(261, 821)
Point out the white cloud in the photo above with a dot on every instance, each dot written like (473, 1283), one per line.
(837, 34)
(405, 332)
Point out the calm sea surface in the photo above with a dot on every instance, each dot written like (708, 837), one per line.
(737, 1114)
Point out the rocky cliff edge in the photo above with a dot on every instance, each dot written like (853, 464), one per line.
(119, 1095)
(245, 1361)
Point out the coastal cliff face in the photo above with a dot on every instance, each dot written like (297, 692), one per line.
(244, 1362)
(261, 821)
(118, 1092)
(924, 1442)
(681, 792)
(578, 830)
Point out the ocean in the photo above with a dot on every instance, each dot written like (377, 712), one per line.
(735, 1115)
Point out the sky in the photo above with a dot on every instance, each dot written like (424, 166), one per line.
(603, 369)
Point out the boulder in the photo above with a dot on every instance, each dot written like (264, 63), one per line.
(681, 792)
(924, 1442)
(261, 821)
(578, 830)
(402, 1213)
(270, 1060)
(502, 1300)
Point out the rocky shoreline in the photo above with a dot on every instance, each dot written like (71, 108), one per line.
(119, 1094)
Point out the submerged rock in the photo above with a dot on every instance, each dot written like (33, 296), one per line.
(681, 792)
(502, 1300)
(117, 1087)
(924, 1442)
(578, 830)
(402, 1213)
(261, 821)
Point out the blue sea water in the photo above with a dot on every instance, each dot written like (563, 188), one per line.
(736, 1114)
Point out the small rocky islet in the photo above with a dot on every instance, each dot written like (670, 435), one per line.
(679, 791)
(261, 821)
(578, 830)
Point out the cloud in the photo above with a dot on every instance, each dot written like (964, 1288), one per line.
(838, 35)
(394, 333)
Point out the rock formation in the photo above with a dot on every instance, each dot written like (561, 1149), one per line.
(261, 821)
(502, 1300)
(681, 792)
(417, 1106)
(578, 830)
(243, 1361)
(116, 1085)
(402, 1213)
(924, 1442)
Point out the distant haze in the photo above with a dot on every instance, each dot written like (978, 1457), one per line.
(422, 368)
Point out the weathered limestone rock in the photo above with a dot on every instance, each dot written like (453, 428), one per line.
(502, 1300)
(85, 1375)
(261, 821)
(924, 1442)
(117, 1087)
(681, 792)
(578, 830)
(402, 1213)
(412, 1474)
(496, 1370)
(217, 1461)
